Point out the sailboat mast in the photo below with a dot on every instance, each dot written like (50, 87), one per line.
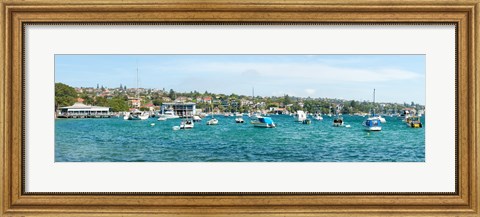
(374, 101)
(136, 91)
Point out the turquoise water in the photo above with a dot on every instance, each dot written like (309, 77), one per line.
(118, 140)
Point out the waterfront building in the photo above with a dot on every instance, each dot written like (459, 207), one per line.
(80, 110)
(182, 109)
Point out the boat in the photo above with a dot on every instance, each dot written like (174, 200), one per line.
(338, 121)
(382, 119)
(318, 117)
(373, 122)
(187, 124)
(300, 116)
(213, 120)
(136, 115)
(239, 120)
(306, 121)
(197, 118)
(162, 119)
(264, 122)
(414, 122)
(168, 114)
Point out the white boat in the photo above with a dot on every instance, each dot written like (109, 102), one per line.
(197, 118)
(238, 114)
(338, 122)
(168, 114)
(300, 116)
(318, 117)
(239, 120)
(136, 115)
(187, 124)
(264, 122)
(162, 119)
(382, 119)
(372, 123)
(212, 121)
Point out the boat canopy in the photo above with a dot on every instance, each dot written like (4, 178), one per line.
(373, 123)
(265, 120)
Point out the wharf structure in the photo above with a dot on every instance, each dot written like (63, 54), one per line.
(80, 110)
(182, 109)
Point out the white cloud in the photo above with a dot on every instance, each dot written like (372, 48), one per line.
(297, 72)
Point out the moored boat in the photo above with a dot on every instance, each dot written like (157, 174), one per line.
(300, 116)
(239, 120)
(187, 124)
(338, 122)
(168, 114)
(264, 122)
(373, 123)
(414, 122)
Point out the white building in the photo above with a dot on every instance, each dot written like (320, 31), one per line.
(80, 110)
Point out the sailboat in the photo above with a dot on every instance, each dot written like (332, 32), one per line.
(136, 114)
(372, 123)
(213, 120)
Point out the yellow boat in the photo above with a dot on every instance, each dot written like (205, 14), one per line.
(414, 122)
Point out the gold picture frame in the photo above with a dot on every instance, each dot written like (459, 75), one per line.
(464, 14)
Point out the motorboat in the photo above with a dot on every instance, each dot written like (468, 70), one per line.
(168, 114)
(197, 118)
(187, 124)
(372, 123)
(300, 116)
(318, 117)
(136, 115)
(239, 120)
(338, 121)
(414, 122)
(212, 121)
(264, 122)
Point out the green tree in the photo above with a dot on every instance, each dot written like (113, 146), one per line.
(118, 104)
(101, 101)
(64, 95)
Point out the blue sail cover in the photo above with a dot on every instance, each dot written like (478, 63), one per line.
(266, 120)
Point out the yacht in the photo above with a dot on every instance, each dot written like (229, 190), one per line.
(167, 114)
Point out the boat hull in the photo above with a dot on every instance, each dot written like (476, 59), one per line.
(373, 128)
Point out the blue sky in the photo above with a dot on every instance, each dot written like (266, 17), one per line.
(396, 78)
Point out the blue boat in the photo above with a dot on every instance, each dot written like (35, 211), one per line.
(264, 122)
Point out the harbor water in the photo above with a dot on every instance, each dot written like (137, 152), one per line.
(119, 140)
